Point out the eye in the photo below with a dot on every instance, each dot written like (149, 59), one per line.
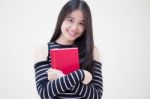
(70, 20)
(81, 24)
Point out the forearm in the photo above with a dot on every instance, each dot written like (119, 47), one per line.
(94, 89)
(53, 88)
(89, 91)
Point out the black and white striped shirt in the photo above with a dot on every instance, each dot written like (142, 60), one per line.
(69, 86)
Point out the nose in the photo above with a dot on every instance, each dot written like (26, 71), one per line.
(74, 28)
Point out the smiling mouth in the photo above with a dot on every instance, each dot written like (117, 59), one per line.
(72, 34)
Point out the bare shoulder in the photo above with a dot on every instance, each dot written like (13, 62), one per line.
(97, 54)
(41, 53)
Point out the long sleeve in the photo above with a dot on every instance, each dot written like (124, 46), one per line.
(48, 89)
(94, 89)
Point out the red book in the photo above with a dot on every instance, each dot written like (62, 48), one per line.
(65, 59)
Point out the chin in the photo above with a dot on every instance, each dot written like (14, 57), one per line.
(72, 38)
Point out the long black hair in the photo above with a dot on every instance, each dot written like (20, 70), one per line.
(85, 42)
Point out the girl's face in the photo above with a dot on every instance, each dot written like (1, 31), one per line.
(72, 26)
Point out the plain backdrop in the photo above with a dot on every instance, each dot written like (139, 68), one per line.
(121, 31)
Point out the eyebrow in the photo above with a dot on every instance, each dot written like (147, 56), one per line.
(74, 18)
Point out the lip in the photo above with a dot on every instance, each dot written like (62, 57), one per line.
(72, 34)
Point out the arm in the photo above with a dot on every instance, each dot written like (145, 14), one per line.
(55, 87)
(94, 89)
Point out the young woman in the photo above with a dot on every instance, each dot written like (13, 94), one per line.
(73, 29)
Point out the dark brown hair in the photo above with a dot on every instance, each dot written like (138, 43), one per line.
(85, 42)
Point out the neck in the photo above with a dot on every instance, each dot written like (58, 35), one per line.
(64, 42)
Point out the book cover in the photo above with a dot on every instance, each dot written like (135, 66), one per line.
(65, 59)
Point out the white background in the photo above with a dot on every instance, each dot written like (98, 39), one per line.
(121, 31)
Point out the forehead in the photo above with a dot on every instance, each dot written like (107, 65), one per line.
(76, 14)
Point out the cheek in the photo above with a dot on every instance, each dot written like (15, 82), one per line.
(63, 26)
(81, 33)
(81, 30)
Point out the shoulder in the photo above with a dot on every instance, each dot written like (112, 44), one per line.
(97, 54)
(41, 53)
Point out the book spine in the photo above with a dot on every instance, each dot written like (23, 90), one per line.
(54, 61)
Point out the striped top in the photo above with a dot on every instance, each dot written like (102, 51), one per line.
(69, 86)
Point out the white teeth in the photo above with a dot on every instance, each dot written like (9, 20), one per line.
(72, 34)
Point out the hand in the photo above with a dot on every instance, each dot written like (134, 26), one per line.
(54, 74)
(87, 78)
